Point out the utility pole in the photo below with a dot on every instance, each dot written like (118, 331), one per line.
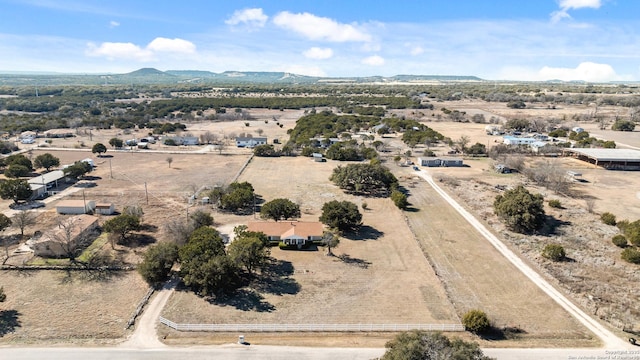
(111, 171)
(146, 193)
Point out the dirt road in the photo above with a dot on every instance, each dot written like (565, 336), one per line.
(609, 340)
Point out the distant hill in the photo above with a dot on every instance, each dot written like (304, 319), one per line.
(155, 76)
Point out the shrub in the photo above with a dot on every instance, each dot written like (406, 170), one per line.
(476, 321)
(619, 241)
(520, 210)
(608, 219)
(631, 255)
(622, 225)
(554, 252)
(400, 199)
(555, 203)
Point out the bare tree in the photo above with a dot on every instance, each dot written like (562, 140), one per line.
(590, 204)
(550, 175)
(70, 237)
(179, 230)
(259, 131)
(330, 240)
(539, 125)
(169, 160)
(23, 219)
(463, 142)
(208, 137)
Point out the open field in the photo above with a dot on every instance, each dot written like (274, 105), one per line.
(382, 275)
(55, 307)
(381, 268)
(474, 273)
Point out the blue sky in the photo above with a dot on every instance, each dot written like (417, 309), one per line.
(592, 40)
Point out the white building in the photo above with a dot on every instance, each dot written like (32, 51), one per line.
(250, 141)
(512, 140)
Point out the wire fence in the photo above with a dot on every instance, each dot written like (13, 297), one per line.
(311, 327)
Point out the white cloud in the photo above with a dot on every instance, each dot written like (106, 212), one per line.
(113, 24)
(112, 51)
(318, 53)
(161, 44)
(374, 60)
(587, 71)
(566, 5)
(253, 17)
(320, 28)
(130, 51)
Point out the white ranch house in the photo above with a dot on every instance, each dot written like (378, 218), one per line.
(297, 233)
(250, 141)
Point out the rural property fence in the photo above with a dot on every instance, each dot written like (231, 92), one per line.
(310, 327)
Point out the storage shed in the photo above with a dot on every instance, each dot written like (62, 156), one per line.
(450, 162)
(75, 206)
(105, 208)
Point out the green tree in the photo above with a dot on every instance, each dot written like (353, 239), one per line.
(399, 199)
(517, 124)
(46, 161)
(341, 215)
(619, 241)
(19, 159)
(554, 252)
(423, 345)
(280, 209)
(122, 226)
(364, 179)
(16, 171)
(476, 149)
(238, 197)
(15, 189)
(201, 218)
(249, 250)
(157, 262)
(99, 148)
(521, 211)
(623, 125)
(77, 170)
(116, 142)
(476, 321)
(265, 150)
(3, 296)
(204, 266)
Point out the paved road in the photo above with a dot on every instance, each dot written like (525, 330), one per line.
(609, 340)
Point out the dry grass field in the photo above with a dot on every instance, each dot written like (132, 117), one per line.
(423, 266)
(54, 307)
(378, 276)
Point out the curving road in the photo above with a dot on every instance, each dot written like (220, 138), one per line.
(609, 340)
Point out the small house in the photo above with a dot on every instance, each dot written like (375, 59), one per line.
(289, 233)
(105, 208)
(250, 142)
(451, 162)
(429, 161)
(75, 206)
(513, 140)
(69, 237)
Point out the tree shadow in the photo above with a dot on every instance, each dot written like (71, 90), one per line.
(9, 321)
(504, 333)
(243, 299)
(365, 232)
(361, 263)
(139, 240)
(552, 226)
(276, 279)
(148, 227)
